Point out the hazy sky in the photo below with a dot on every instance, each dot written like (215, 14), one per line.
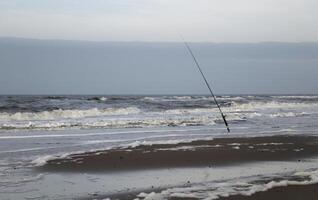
(161, 20)
(73, 67)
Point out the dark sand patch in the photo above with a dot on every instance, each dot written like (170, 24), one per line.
(293, 192)
(219, 151)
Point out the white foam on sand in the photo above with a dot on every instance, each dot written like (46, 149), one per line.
(244, 186)
(42, 160)
(203, 183)
(162, 139)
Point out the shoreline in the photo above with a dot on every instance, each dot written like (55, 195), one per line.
(205, 153)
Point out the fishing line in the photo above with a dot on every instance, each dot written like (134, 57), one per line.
(206, 82)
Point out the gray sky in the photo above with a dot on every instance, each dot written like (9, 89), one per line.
(161, 20)
(73, 67)
(234, 60)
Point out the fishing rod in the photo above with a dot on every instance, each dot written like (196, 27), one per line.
(207, 84)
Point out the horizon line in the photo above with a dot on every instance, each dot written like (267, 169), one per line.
(146, 41)
(207, 94)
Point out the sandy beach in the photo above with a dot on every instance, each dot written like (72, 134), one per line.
(219, 151)
(204, 153)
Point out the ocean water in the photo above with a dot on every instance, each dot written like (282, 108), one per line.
(89, 112)
(34, 129)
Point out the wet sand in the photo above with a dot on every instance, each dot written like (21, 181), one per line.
(293, 192)
(216, 152)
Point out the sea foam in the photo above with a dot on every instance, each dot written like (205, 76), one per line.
(217, 190)
(66, 114)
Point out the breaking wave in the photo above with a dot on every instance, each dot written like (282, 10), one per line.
(111, 123)
(270, 105)
(154, 111)
(66, 114)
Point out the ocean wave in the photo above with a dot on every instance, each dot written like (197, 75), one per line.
(251, 106)
(193, 98)
(112, 123)
(55, 97)
(98, 99)
(132, 117)
(288, 114)
(66, 114)
(149, 115)
(296, 97)
(236, 104)
(168, 98)
(191, 111)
